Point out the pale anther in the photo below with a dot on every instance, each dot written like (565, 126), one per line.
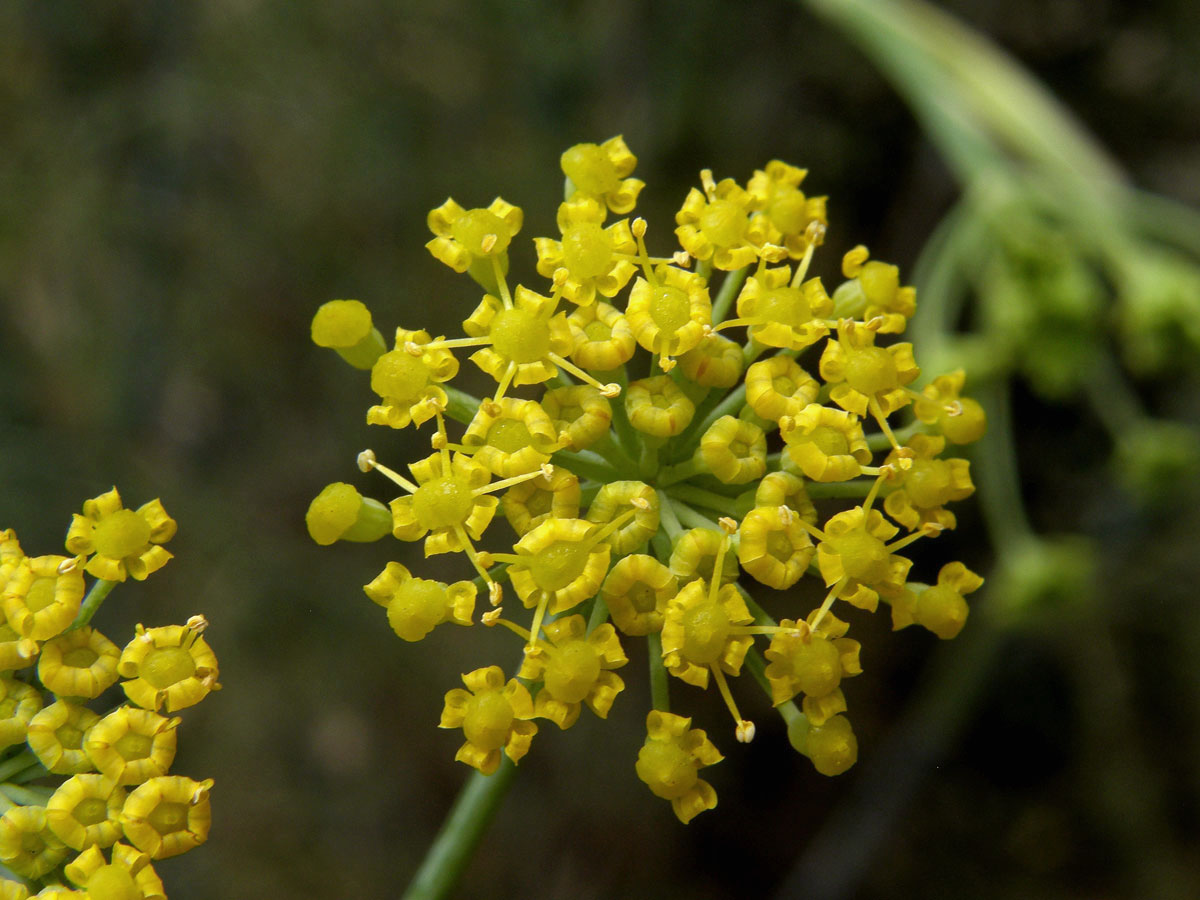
(490, 617)
(728, 525)
(953, 408)
(640, 502)
(67, 565)
(611, 390)
(197, 624)
(366, 461)
(786, 516)
(638, 227)
(412, 348)
(745, 731)
(681, 258)
(495, 593)
(547, 471)
(488, 242)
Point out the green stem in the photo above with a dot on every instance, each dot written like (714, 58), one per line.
(583, 462)
(16, 764)
(667, 518)
(691, 518)
(626, 433)
(1112, 398)
(725, 296)
(838, 489)
(660, 697)
(35, 796)
(461, 406)
(997, 474)
(461, 833)
(599, 614)
(614, 454)
(709, 499)
(92, 602)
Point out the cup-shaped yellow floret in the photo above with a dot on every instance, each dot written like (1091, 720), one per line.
(603, 338)
(602, 171)
(874, 294)
(493, 715)
(779, 387)
(779, 314)
(826, 444)
(43, 596)
(596, 259)
(699, 631)
(27, 845)
(341, 513)
(346, 326)
(129, 876)
(19, 703)
(790, 214)
(637, 591)
(132, 745)
(786, 489)
(415, 606)
(668, 316)
(16, 651)
(575, 668)
(855, 553)
(669, 760)
(80, 663)
(694, 555)
(561, 564)
(86, 810)
(832, 747)
(940, 608)
(734, 450)
(523, 336)
(467, 240)
(446, 503)
(530, 503)
(169, 668)
(615, 499)
(167, 816)
(811, 662)
(122, 542)
(580, 413)
(514, 440)
(716, 362)
(774, 547)
(408, 380)
(961, 419)
(658, 407)
(925, 484)
(56, 736)
(716, 224)
(861, 373)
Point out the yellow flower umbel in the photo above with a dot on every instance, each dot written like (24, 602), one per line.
(669, 760)
(493, 715)
(121, 542)
(169, 668)
(670, 512)
(167, 816)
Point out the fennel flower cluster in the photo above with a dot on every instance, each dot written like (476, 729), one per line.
(87, 735)
(643, 493)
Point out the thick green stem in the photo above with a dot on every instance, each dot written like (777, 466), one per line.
(92, 602)
(461, 833)
(461, 406)
(660, 697)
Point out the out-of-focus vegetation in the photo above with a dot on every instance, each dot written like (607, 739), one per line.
(182, 185)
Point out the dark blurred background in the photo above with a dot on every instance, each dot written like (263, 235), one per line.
(181, 185)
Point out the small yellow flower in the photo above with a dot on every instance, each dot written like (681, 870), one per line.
(874, 293)
(669, 760)
(715, 362)
(597, 259)
(86, 811)
(716, 224)
(341, 513)
(27, 845)
(617, 498)
(699, 632)
(855, 554)
(515, 439)
(19, 703)
(132, 745)
(786, 489)
(170, 668)
(125, 542)
(774, 548)
(474, 240)
(528, 338)
(16, 651)
(10, 555)
(779, 313)
(812, 662)
(657, 406)
(493, 715)
(826, 444)
(940, 608)
(790, 215)
(865, 376)
(637, 591)
(408, 380)
(832, 747)
(960, 419)
(575, 668)
(43, 596)
(560, 563)
(128, 877)
(694, 555)
(80, 663)
(669, 313)
(56, 736)
(346, 326)
(924, 486)
(603, 339)
(530, 503)
(580, 413)
(446, 504)
(415, 606)
(602, 172)
(734, 450)
(167, 816)
(778, 387)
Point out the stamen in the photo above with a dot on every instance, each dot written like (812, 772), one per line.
(666, 363)
(505, 381)
(67, 565)
(709, 185)
(833, 592)
(682, 258)
(786, 516)
(494, 589)
(490, 617)
(536, 628)
(745, 728)
(488, 242)
(877, 412)
(447, 344)
(516, 479)
(929, 529)
(367, 462)
(871, 494)
(606, 389)
(802, 269)
(505, 296)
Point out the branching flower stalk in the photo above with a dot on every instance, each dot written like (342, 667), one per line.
(662, 429)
